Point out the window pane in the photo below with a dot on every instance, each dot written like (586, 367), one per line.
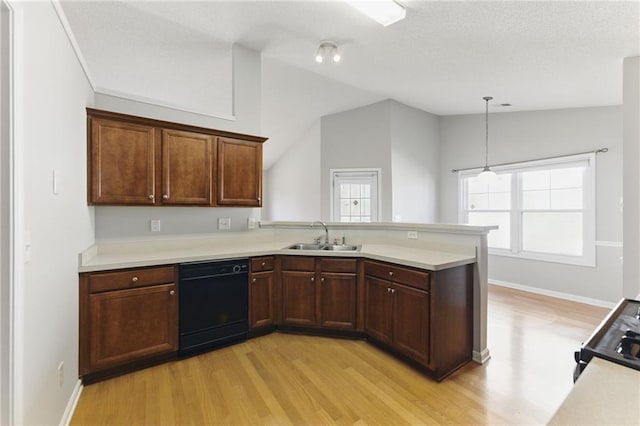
(494, 195)
(344, 190)
(498, 238)
(366, 207)
(355, 208)
(475, 186)
(566, 199)
(535, 180)
(501, 183)
(355, 190)
(552, 232)
(345, 207)
(500, 201)
(535, 200)
(567, 178)
(478, 201)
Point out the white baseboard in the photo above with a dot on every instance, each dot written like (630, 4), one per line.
(557, 294)
(481, 357)
(71, 405)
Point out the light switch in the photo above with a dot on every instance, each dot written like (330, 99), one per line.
(251, 223)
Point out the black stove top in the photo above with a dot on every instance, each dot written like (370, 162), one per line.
(617, 338)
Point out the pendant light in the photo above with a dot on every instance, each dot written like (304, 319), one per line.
(486, 174)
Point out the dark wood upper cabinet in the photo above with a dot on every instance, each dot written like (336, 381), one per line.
(239, 173)
(140, 161)
(122, 163)
(187, 172)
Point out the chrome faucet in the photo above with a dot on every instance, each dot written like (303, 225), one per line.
(326, 230)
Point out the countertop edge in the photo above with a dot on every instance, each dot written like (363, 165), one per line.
(173, 259)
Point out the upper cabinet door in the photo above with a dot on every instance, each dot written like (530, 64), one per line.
(239, 173)
(187, 167)
(122, 158)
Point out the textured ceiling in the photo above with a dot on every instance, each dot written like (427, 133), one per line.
(445, 55)
(443, 58)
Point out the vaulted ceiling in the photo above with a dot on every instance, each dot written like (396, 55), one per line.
(443, 58)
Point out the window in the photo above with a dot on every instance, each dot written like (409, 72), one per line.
(545, 209)
(354, 195)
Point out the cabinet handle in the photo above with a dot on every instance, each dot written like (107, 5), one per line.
(263, 264)
(322, 279)
(134, 279)
(253, 280)
(390, 273)
(151, 196)
(165, 197)
(393, 290)
(172, 292)
(313, 279)
(388, 290)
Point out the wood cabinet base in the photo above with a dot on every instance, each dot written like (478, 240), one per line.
(130, 367)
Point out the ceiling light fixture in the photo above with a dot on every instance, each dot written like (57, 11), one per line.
(486, 173)
(327, 50)
(385, 12)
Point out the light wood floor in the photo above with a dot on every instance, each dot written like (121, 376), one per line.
(286, 379)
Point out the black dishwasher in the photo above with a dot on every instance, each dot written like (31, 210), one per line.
(213, 304)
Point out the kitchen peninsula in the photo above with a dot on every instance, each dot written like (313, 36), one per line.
(435, 262)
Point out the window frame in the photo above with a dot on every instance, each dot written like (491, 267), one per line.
(375, 173)
(517, 210)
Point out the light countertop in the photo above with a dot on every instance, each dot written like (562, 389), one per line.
(606, 393)
(114, 256)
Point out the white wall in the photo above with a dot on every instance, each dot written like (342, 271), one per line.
(293, 183)
(5, 230)
(359, 138)
(132, 222)
(292, 155)
(631, 148)
(54, 95)
(522, 136)
(415, 142)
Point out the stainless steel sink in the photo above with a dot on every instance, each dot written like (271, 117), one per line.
(306, 246)
(333, 247)
(342, 247)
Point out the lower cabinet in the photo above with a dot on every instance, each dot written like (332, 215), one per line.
(398, 315)
(425, 316)
(319, 292)
(262, 311)
(126, 317)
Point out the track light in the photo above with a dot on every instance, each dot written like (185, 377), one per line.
(327, 50)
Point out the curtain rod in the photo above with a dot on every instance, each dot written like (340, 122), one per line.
(596, 151)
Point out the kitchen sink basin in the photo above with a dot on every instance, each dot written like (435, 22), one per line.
(342, 247)
(306, 246)
(332, 247)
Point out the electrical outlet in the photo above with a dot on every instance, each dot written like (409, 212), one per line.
(412, 235)
(60, 374)
(154, 225)
(251, 223)
(224, 223)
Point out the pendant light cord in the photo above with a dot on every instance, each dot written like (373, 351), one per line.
(486, 138)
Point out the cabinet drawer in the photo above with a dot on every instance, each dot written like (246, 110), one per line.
(419, 279)
(338, 265)
(295, 263)
(259, 264)
(130, 278)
